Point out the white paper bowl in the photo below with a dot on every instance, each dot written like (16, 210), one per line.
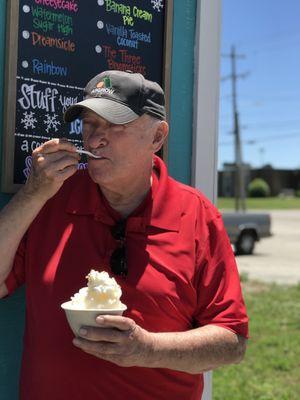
(80, 317)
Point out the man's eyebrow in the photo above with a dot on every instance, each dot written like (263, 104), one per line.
(88, 118)
(85, 113)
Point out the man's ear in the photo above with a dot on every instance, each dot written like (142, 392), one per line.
(162, 130)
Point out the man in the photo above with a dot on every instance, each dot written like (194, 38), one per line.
(163, 242)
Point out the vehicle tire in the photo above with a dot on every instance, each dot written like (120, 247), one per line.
(245, 244)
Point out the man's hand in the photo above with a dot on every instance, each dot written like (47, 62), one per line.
(118, 339)
(52, 163)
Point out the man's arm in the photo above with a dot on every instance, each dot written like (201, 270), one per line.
(15, 219)
(201, 349)
(193, 351)
(53, 163)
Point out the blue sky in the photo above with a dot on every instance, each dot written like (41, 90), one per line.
(267, 32)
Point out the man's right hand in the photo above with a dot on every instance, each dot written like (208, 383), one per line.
(52, 163)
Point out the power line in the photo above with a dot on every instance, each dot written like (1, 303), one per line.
(249, 98)
(266, 124)
(265, 139)
(275, 137)
(268, 40)
(271, 124)
(265, 51)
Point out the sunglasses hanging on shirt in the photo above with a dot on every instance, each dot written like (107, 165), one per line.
(118, 259)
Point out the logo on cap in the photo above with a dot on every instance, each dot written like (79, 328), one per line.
(103, 88)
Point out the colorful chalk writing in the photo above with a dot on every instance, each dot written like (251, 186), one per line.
(48, 68)
(128, 12)
(127, 37)
(67, 101)
(120, 8)
(54, 17)
(122, 60)
(49, 21)
(32, 98)
(47, 41)
(71, 5)
(76, 127)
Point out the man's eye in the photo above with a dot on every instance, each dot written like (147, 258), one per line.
(87, 124)
(117, 127)
(86, 129)
(110, 125)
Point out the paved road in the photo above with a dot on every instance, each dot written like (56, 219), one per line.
(276, 259)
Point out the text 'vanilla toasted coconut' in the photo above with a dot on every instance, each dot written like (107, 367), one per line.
(102, 292)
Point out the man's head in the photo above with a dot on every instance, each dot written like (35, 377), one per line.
(120, 97)
(126, 150)
(124, 123)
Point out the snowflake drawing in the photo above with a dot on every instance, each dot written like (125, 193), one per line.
(157, 5)
(51, 122)
(29, 121)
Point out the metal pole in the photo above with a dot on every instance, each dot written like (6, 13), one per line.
(239, 185)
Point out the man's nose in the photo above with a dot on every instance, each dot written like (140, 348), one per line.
(98, 138)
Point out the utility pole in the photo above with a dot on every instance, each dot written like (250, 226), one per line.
(239, 184)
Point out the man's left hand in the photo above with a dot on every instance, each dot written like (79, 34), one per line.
(118, 339)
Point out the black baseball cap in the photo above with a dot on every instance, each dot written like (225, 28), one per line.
(120, 97)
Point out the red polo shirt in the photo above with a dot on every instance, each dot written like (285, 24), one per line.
(182, 274)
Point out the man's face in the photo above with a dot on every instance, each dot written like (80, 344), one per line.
(126, 150)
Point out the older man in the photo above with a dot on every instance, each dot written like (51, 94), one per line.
(163, 241)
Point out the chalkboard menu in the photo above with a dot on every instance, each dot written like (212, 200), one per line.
(54, 47)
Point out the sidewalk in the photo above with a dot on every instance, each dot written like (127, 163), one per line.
(276, 259)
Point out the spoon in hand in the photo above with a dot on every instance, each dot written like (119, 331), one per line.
(87, 153)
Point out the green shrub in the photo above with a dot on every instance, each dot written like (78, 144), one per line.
(297, 194)
(258, 188)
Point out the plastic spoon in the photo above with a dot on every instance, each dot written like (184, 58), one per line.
(87, 153)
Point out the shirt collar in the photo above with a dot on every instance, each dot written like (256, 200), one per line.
(166, 208)
(162, 206)
(85, 198)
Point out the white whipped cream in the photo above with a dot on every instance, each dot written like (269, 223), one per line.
(102, 292)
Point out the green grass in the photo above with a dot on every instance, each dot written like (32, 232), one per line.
(271, 368)
(269, 203)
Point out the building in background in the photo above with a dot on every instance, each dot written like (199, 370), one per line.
(281, 181)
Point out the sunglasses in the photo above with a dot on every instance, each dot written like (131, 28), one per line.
(118, 260)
